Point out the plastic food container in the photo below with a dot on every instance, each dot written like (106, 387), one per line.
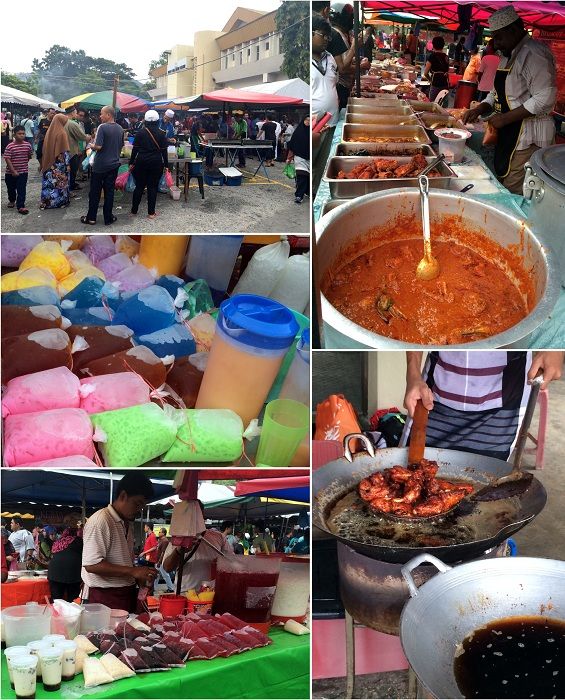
(252, 337)
(293, 590)
(117, 616)
(95, 616)
(452, 143)
(67, 625)
(171, 605)
(23, 624)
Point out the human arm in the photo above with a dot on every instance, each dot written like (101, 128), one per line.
(427, 69)
(171, 558)
(9, 163)
(551, 364)
(416, 387)
(98, 139)
(140, 573)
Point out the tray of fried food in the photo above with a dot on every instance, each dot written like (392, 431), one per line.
(352, 176)
(385, 133)
(384, 149)
(378, 107)
(412, 493)
(431, 107)
(384, 119)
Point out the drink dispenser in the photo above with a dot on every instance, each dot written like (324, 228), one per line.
(293, 590)
(246, 586)
(212, 258)
(23, 624)
(252, 337)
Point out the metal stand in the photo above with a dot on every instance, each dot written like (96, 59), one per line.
(349, 656)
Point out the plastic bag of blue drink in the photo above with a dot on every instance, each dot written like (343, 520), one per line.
(171, 283)
(176, 340)
(90, 292)
(31, 296)
(147, 311)
(93, 316)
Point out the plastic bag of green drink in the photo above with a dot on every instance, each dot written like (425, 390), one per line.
(194, 298)
(207, 435)
(130, 437)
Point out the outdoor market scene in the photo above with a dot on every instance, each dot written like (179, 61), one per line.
(157, 584)
(122, 351)
(438, 174)
(438, 536)
(197, 141)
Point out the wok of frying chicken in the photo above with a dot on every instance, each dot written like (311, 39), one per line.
(383, 168)
(413, 491)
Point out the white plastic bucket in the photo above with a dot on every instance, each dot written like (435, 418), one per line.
(452, 143)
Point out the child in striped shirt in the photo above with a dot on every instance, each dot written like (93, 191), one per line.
(17, 155)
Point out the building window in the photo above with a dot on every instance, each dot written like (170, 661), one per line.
(248, 53)
(240, 57)
(257, 52)
(233, 58)
(226, 62)
(266, 46)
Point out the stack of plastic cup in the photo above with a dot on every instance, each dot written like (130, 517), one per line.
(34, 647)
(11, 653)
(285, 424)
(24, 675)
(51, 659)
(54, 639)
(69, 659)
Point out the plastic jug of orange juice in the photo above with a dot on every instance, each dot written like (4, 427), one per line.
(252, 336)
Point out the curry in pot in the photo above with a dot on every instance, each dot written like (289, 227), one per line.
(482, 288)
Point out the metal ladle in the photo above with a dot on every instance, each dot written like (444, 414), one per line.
(428, 267)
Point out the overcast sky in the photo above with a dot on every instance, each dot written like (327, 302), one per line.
(135, 37)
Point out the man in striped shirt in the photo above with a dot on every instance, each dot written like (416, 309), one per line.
(108, 572)
(476, 399)
(17, 155)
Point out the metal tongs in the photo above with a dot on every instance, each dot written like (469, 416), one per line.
(432, 165)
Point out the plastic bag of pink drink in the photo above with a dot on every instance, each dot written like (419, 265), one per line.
(41, 391)
(33, 437)
(60, 462)
(109, 392)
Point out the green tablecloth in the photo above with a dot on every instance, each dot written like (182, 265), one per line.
(281, 670)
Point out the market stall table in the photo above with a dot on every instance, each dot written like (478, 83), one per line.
(232, 147)
(281, 670)
(486, 188)
(25, 591)
(185, 173)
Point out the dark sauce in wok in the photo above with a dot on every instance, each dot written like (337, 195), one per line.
(514, 657)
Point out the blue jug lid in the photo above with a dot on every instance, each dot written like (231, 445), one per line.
(258, 321)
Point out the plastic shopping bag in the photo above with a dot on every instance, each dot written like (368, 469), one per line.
(121, 180)
(130, 184)
(335, 418)
(290, 170)
(163, 187)
(169, 178)
(85, 163)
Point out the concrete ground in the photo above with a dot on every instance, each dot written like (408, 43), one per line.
(258, 206)
(544, 537)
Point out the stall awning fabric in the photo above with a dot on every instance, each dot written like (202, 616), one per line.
(539, 15)
(10, 94)
(242, 96)
(249, 507)
(296, 488)
(67, 487)
(294, 87)
(96, 100)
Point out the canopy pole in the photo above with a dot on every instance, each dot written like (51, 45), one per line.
(115, 93)
(111, 485)
(83, 502)
(356, 44)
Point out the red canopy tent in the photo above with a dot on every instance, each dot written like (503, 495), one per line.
(291, 487)
(539, 15)
(248, 97)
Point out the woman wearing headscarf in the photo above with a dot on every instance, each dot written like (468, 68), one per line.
(64, 568)
(7, 127)
(299, 150)
(148, 158)
(56, 165)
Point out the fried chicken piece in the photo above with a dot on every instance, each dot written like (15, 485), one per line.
(419, 162)
(413, 488)
(399, 474)
(435, 505)
(384, 165)
(406, 170)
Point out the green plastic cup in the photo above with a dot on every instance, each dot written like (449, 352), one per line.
(285, 425)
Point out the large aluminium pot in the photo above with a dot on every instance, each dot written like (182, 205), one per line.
(338, 228)
(544, 186)
(453, 603)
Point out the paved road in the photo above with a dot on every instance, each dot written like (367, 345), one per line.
(258, 206)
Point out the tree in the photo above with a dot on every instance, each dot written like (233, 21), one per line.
(151, 84)
(11, 80)
(293, 22)
(63, 73)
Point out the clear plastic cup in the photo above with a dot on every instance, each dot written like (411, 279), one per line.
(68, 669)
(24, 675)
(51, 659)
(285, 424)
(10, 654)
(53, 638)
(34, 648)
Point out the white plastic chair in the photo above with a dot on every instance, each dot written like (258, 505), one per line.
(440, 97)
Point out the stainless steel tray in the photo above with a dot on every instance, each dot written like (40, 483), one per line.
(351, 132)
(380, 108)
(385, 119)
(347, 189)
(427, 107)
(379, 97)
(384, 149)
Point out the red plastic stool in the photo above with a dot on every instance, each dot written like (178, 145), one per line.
(539, 441)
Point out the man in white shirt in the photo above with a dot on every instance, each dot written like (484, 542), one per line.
(22, 540)
(523, 96)
(107, 557)
(199, 567)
